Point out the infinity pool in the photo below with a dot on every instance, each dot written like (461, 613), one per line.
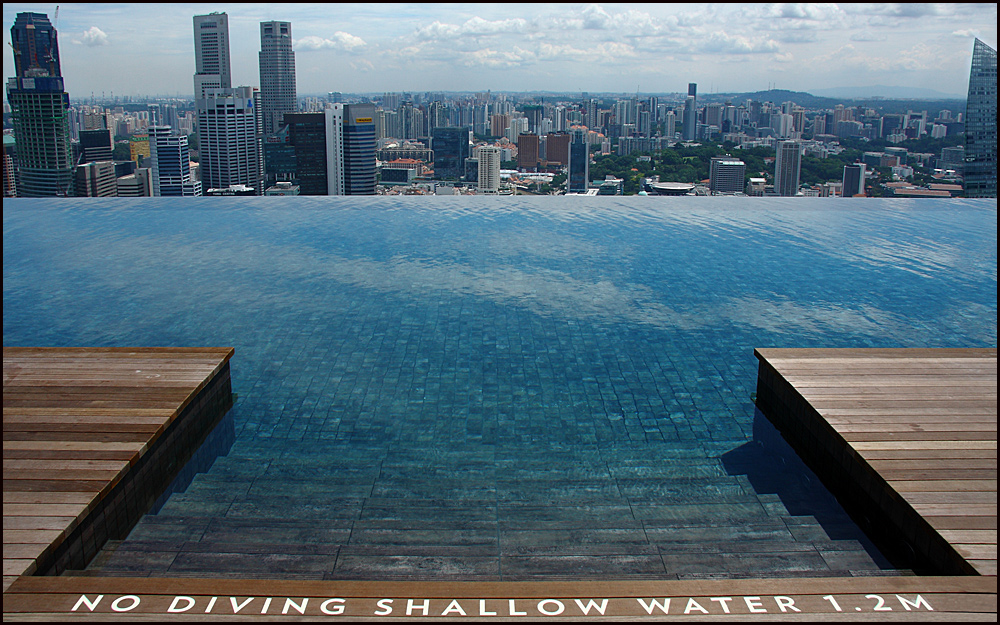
(497, 388)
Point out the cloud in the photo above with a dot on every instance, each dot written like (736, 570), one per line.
(93, 37)
(867, 36)
(475, 27)
(966, 33)
(345, 42)
(722, 42)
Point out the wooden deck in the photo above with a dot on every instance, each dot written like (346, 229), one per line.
(85, 434)
(906, 436)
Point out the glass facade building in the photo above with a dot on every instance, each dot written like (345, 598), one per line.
(451, 148)
(981, 124)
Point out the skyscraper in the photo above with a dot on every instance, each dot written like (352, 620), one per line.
(171, 164)
(787, 166)
(451, 148)
(211, 53)
(277, 74)
(39, 110)
(690, 121)
(488, 157)
(229, 140)
(358, 148)
(980, 124)
(578, 178)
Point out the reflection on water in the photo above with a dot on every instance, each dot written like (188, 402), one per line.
(497, 388)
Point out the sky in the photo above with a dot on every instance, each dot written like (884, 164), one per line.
(148, 48)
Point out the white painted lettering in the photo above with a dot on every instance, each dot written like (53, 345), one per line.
(754, 604)
(301, 609)
(176, 607)
(723, 601)
(238, 607)
(833, 602)
(83, 600)
(693, 605)
(335, 610)
(513, 610)
(786, 603)
(558, 609)
(653, 603)
(482, 609)
(454, 606)
(383, 605)
(592, 604)
(267, 604)
(211, 604)
(907, 605)
(880, 605)
(423, 607)
(116, 605)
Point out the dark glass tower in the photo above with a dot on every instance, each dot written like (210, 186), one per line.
(39, 110)
(359, 149)
(451, 148)
(981, 124)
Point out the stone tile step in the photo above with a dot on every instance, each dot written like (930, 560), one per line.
(598, 566)
(310, 491)
(362, 566)
(738, 546)
(251, 565)
(759, 564)
(574, 540)
(294, 507)
(427, 537)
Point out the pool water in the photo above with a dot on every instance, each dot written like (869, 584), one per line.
(498, 387)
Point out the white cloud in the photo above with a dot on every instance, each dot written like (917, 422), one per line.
(339, 41)
(474, 27)
(93, 37)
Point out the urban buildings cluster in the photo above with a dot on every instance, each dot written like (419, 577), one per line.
(246, 140)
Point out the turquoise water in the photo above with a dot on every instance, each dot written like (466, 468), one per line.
(498, 388)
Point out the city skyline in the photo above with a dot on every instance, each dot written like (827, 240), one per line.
(652, 48)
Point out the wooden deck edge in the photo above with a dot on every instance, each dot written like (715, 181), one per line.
(124, 500)
(882, 512)
(924, 598)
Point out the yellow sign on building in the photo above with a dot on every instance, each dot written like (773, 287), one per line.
(138, 144)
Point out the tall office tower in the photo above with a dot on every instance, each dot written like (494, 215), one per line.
(669, 125)
(451, 148)
(277, 74)
(527, 151)
(171, 164)
(557, 148)
(787, 166)
(727, 175)
(499, 124)
(307, 138)
(211, 53)
(578, 177)
(980, 124)
(230, 149)
(854, 180)
(488, 157)
(358, 148)
(39, 110)
(690, 127)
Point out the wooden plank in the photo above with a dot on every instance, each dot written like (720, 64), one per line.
(924, 420)
(76, 420)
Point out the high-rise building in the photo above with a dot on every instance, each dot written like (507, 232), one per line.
(557, 148)
(727, 175)
(96, 179)
(170, 164)
(578, 177)
(527, 151)
(95, 146)
(334, 150)
(230, 148)
(9, 166)
(980, 124)
(451, 148)
(690, 121)
(488, 157)
(277, 74)
(854, 180)
(211, 53)
(39, 110)
(787, 166)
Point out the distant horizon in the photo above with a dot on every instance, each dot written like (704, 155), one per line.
(136, 49)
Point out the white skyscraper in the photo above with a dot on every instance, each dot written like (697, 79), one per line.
(171, 164)
(230, 149)
(489, 168)
(211, 53)
(277, 74)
